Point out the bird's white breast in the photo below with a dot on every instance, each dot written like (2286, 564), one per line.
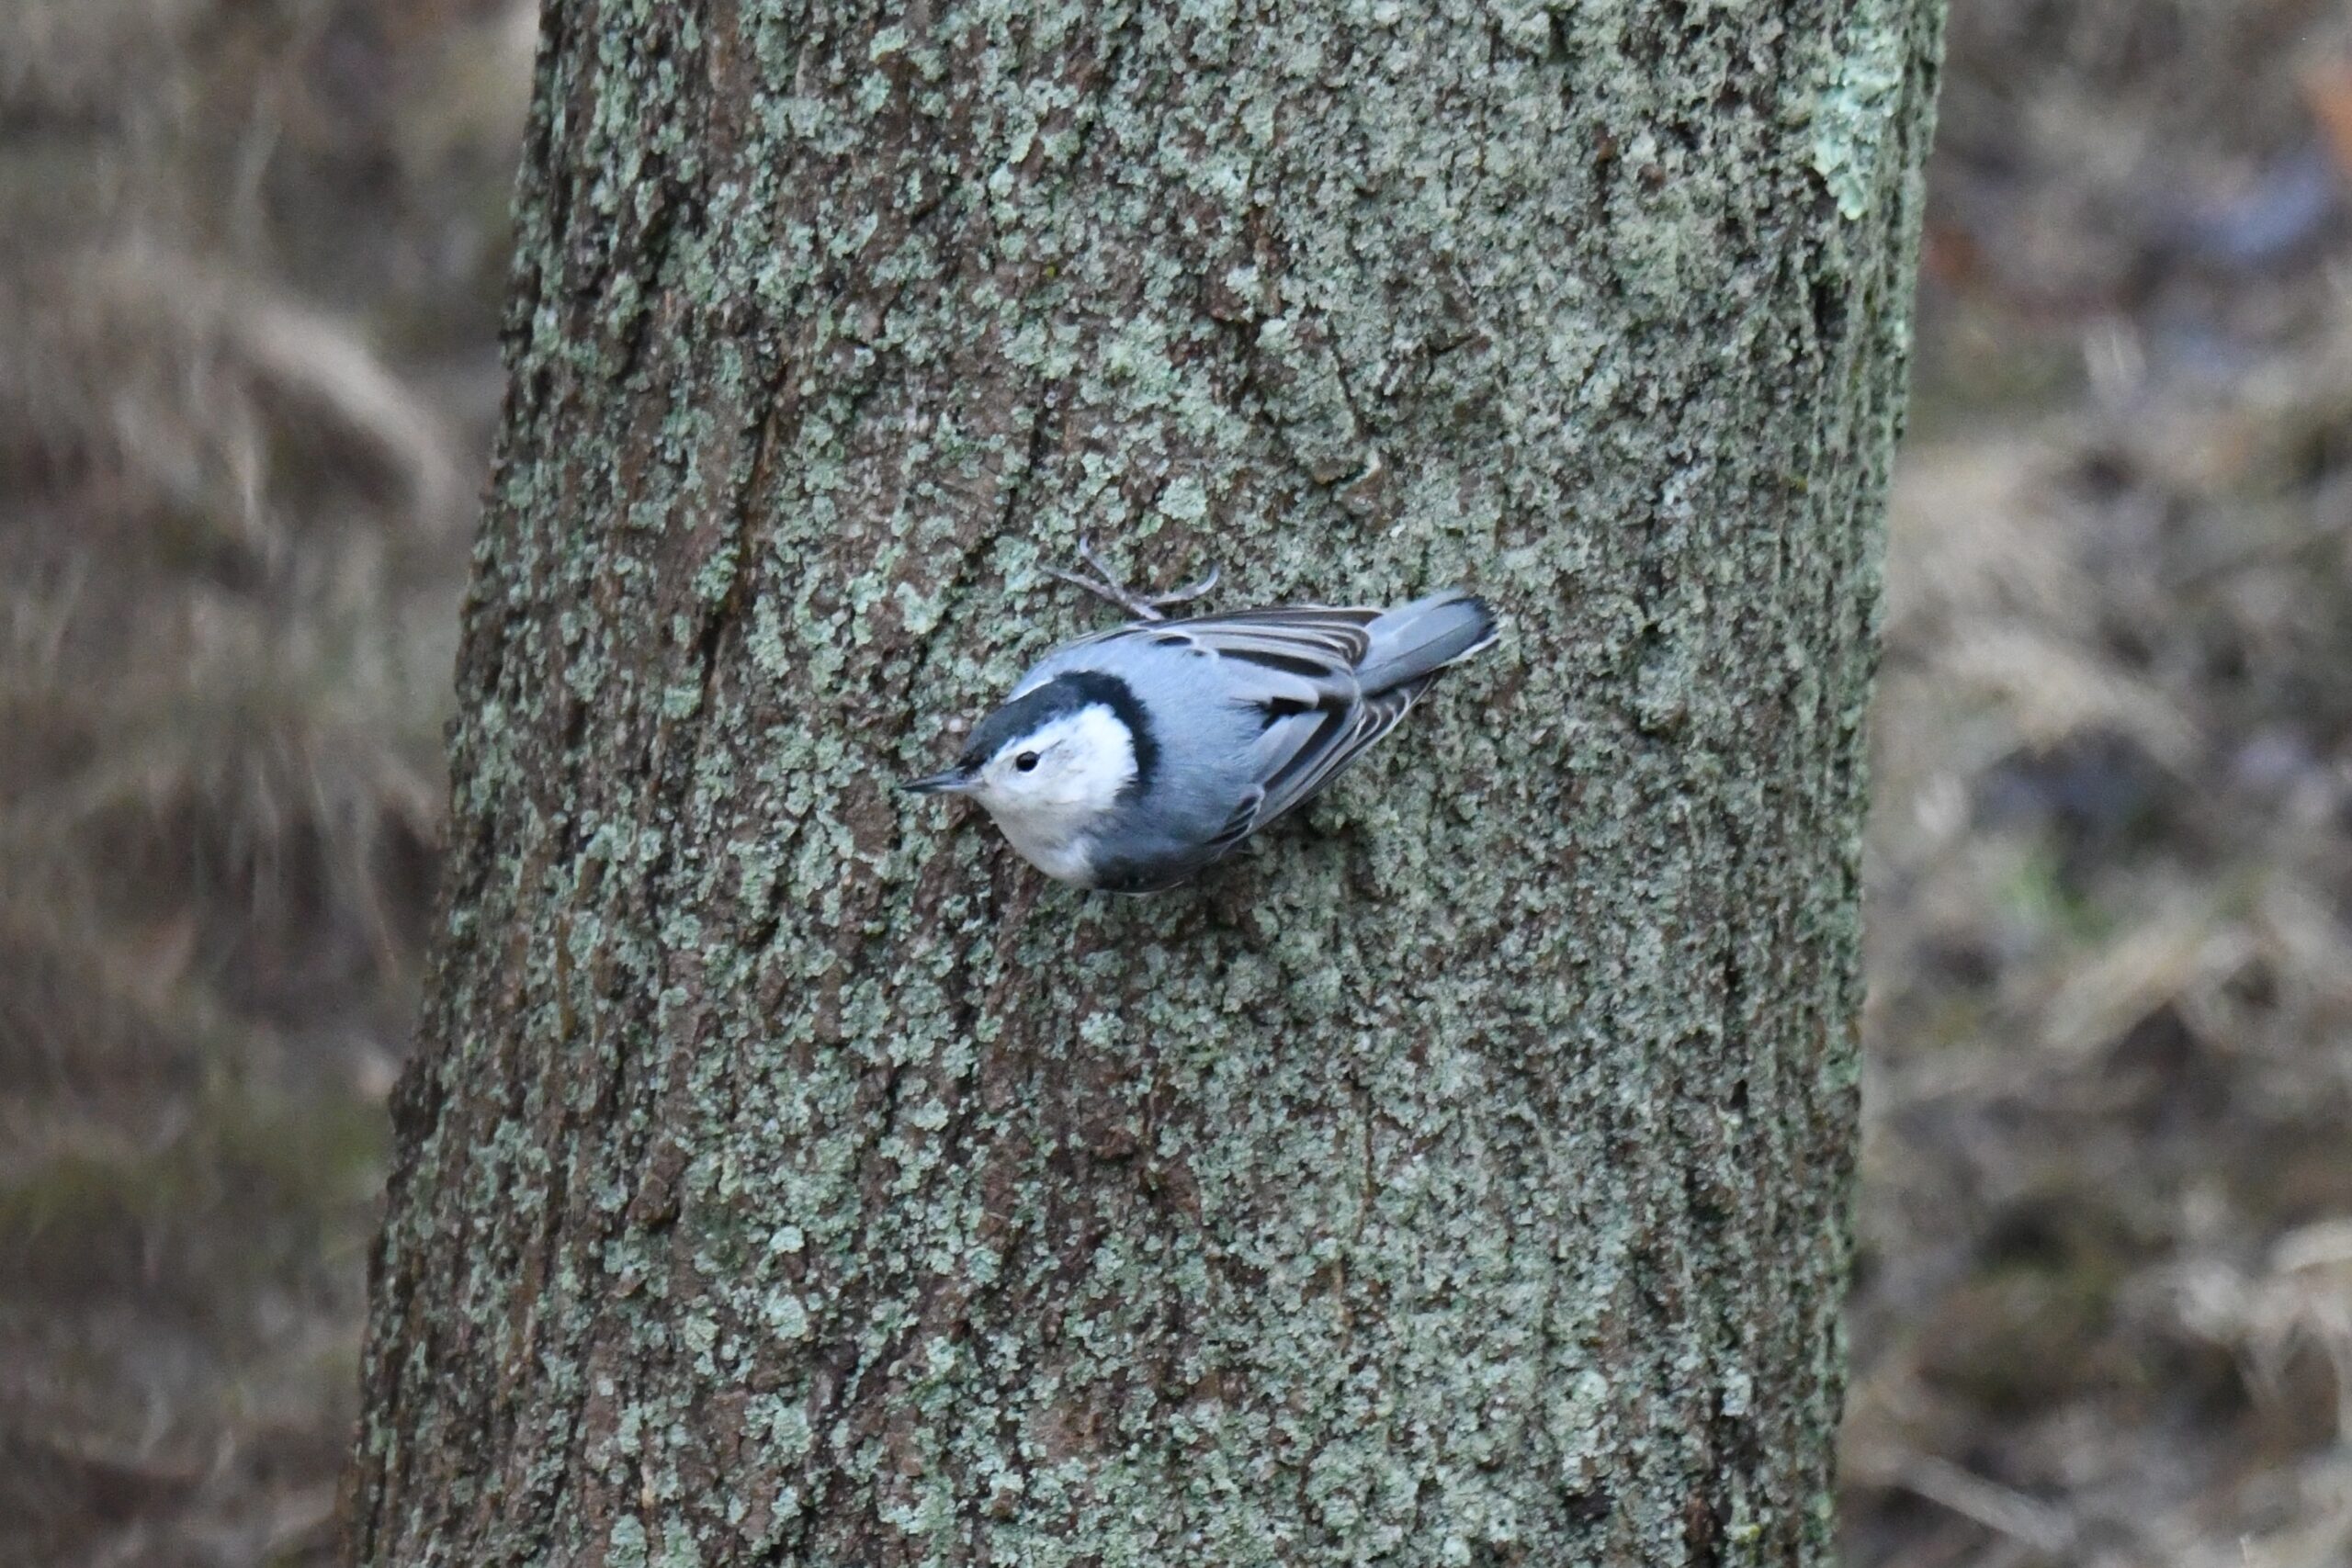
(1063, 859)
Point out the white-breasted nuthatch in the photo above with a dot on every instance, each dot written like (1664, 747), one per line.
(1130, 760)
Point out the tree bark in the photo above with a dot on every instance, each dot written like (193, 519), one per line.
(786, 1173)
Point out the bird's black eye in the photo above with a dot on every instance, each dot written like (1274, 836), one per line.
(1025, 762)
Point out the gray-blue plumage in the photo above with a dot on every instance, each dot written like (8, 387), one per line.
(1132, 759)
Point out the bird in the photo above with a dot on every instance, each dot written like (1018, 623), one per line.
(1132, 760)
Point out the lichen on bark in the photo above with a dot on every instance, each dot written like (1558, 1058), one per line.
(787, 1174)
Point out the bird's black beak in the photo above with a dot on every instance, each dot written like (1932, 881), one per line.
(955, 781)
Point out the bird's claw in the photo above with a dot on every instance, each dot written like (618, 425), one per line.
(1104, 584)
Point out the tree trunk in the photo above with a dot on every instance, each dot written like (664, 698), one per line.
(786, 1173)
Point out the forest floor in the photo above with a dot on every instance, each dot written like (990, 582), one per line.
(250, 264)
(2105, 1312)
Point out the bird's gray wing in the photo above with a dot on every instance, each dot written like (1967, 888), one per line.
(1305, 650)
(1297, 667)
(1302, 750)
(1244, 821)
(1312, 642)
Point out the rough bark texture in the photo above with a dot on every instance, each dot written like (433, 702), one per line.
(787, 1174)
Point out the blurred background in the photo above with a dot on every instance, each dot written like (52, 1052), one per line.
(250, 260)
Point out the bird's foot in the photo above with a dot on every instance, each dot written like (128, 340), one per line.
(1103, 583)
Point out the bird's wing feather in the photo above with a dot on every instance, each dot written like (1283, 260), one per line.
(1308, 748)
(1238, 827)
(1311, 642)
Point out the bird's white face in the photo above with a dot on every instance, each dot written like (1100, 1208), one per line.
(1051, 785)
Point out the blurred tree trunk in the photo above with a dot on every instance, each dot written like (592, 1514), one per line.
(786, 1173)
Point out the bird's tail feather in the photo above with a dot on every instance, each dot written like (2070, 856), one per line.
(1415, 641)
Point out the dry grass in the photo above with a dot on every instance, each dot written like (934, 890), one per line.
(2106, 1183)
(248, 283)
(249, 271)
